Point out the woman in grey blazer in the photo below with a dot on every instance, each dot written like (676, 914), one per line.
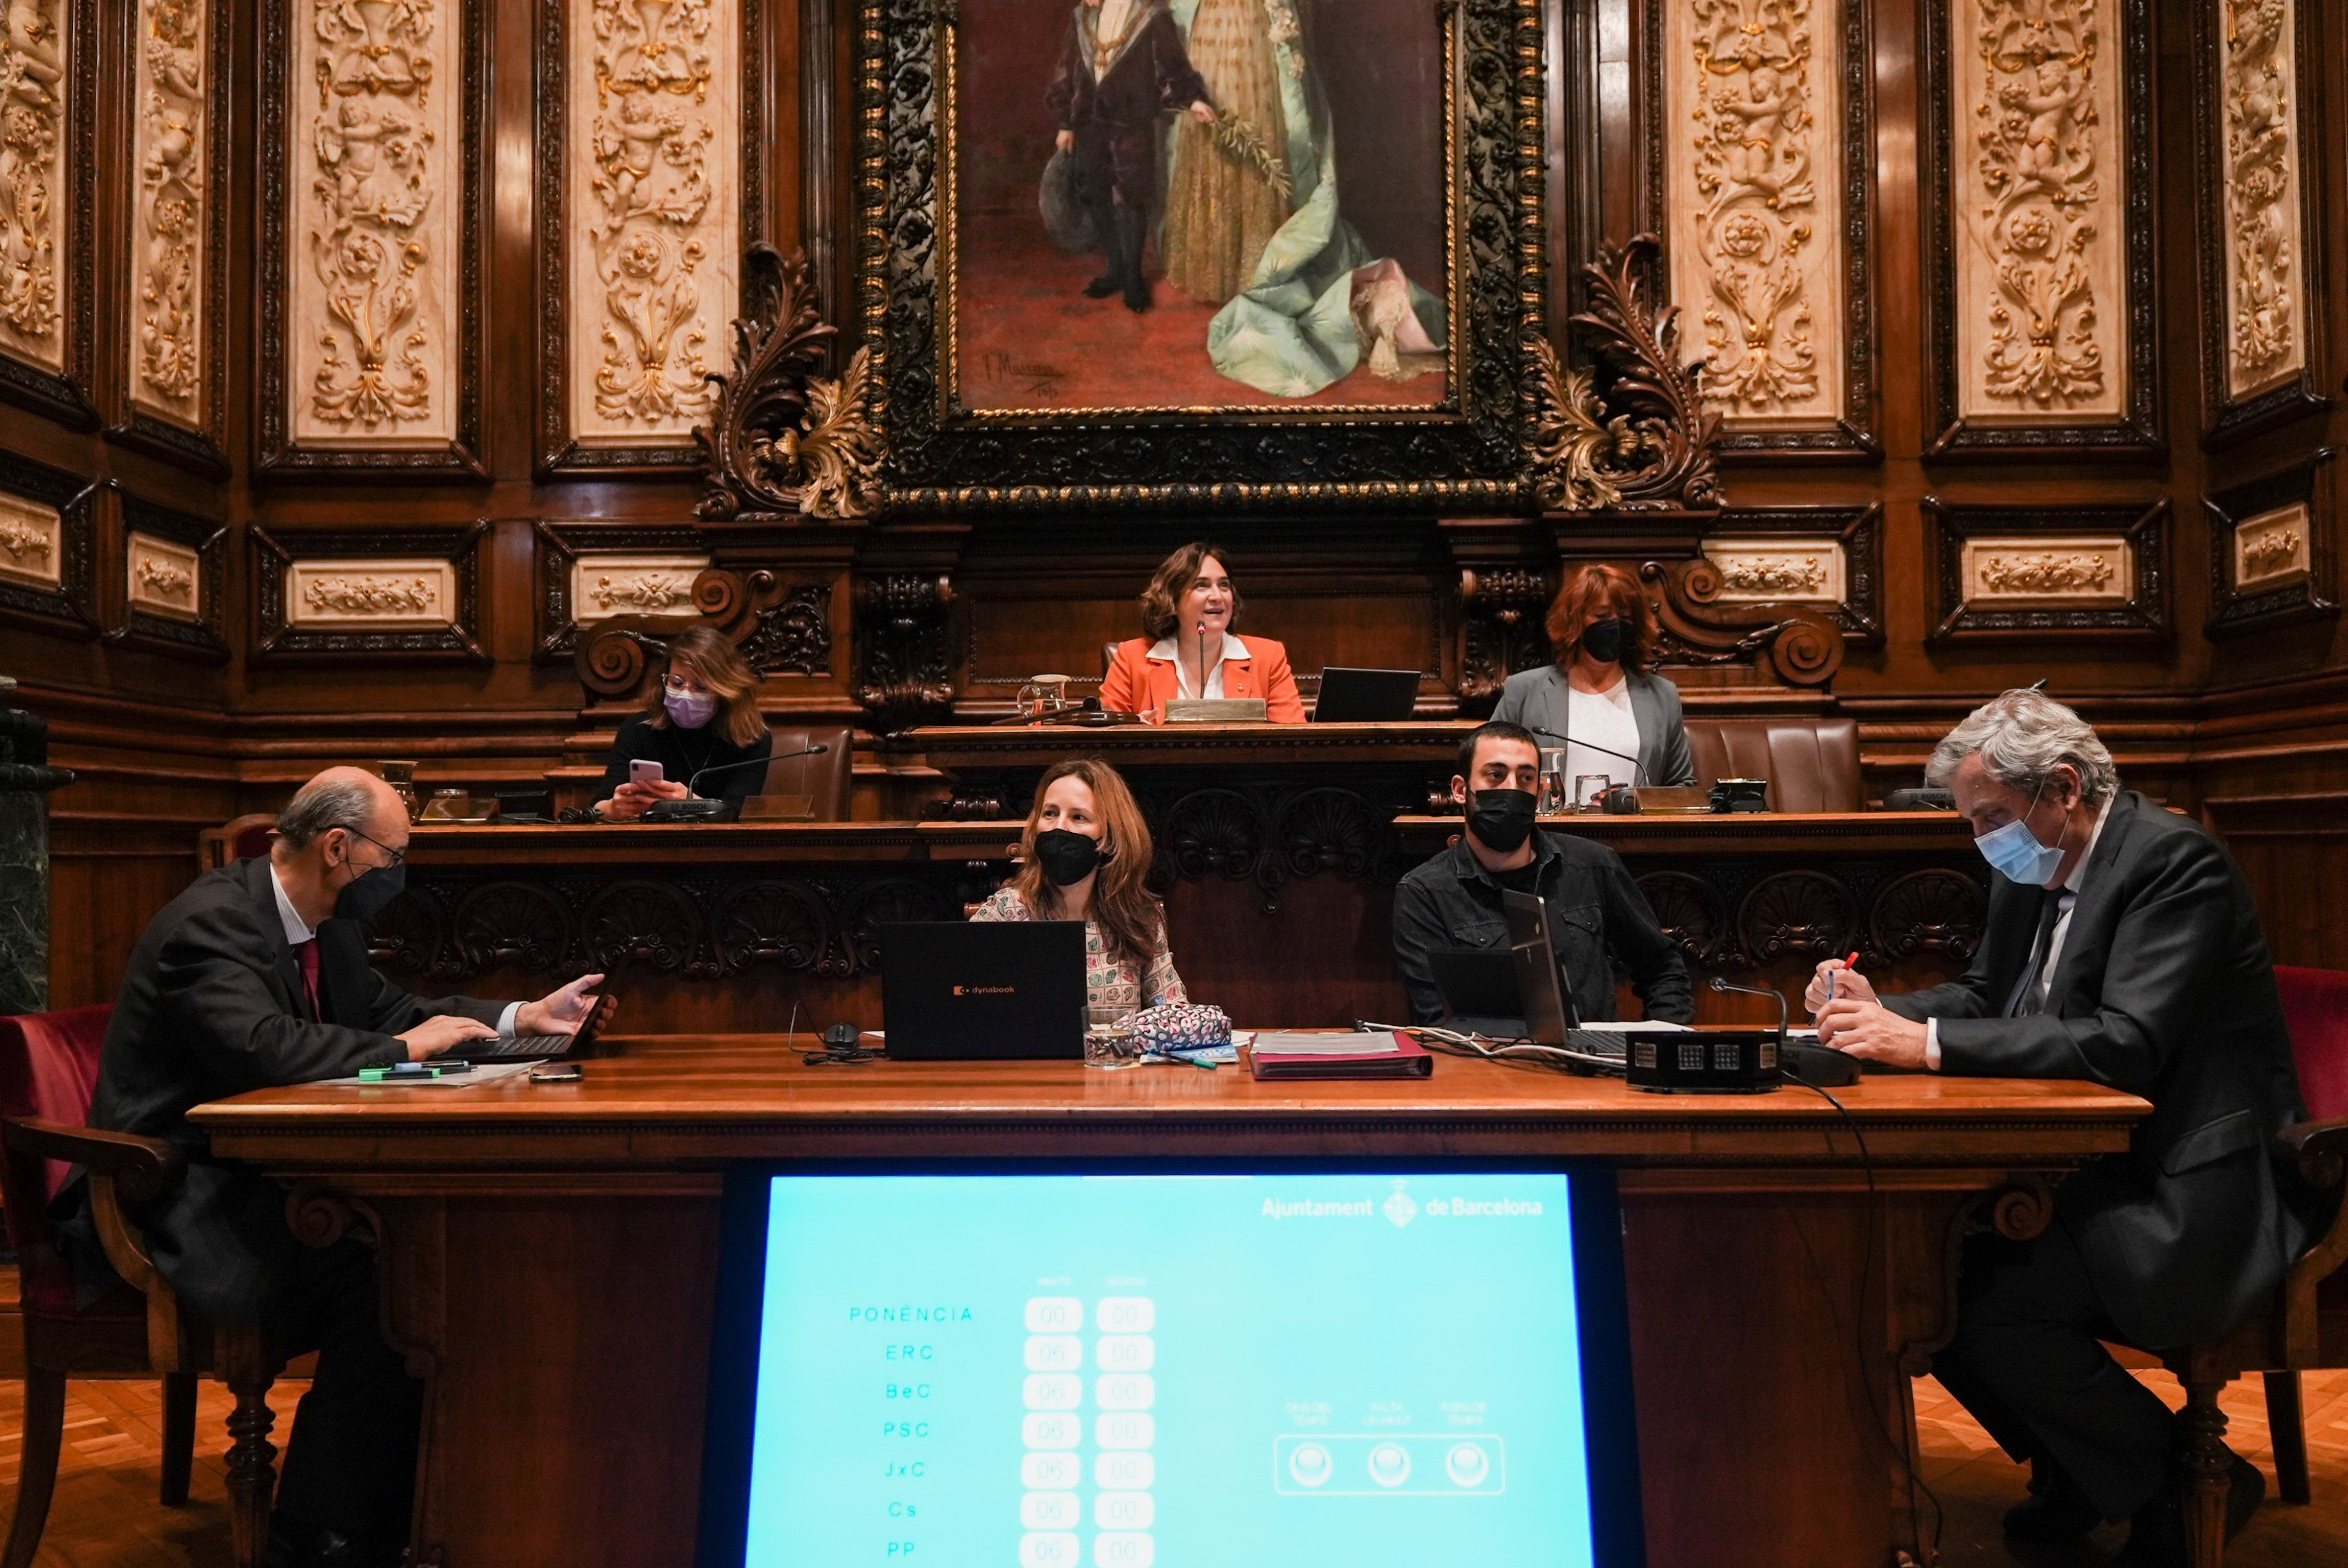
(1602, 627)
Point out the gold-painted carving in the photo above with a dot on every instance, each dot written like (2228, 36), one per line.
(2261, 195)
(2046, 574)
(31, 542)
(1775, 574)
(32, 179)
(174, 184)
(382, 590)
(24, 541)
(369, 596)
(2273, 547)
(165, 577)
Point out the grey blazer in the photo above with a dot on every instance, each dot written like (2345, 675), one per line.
(1537, 699)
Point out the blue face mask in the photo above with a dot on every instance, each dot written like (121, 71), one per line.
(2014, 852)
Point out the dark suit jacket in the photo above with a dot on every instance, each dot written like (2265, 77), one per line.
(212, 1005)
(1115, 114)
(2164, 989)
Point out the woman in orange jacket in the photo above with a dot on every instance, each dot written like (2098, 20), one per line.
(1188, 650)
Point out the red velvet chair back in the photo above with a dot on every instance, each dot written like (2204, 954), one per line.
(48, 1068)
(2315, 1006)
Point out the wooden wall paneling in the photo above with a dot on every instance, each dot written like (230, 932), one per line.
(2261, 244)
(2035, 572)
(49, 53)
(592, 571)
(652, 122)
(374, 136)
(2292, 847)
(413, 593)
(172, 593)
(1762, 165)
(1827, 557)
(168, 172)
(2274, 549)
(48, 548)
(2041, 242)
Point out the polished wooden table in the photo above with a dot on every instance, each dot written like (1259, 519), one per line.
(549, 1254)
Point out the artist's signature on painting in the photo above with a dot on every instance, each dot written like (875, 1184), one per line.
(1029, 375)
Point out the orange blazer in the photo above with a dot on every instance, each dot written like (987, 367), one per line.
(1136, 683)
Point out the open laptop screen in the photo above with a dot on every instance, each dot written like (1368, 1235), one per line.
(1382, 1368)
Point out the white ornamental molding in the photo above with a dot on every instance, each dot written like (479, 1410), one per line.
(2274, 547)
(2048, 571)
(165, 577)
(654, 126)
(2265, 342)
(1779, 570)
(603, 586)
(388, 592)
(2040, 208)
(375, 220)
(169, 139)
(1753, 181)
(32, 542)
(32, 179)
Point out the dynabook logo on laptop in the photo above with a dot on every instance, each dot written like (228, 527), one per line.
(986, 991)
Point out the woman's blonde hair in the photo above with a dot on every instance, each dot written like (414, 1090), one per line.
(1132, 924)
(1161, 600)
(707, 656)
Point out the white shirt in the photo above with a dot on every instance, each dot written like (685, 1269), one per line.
(298, 931)
(2045, 980)
(1233, 648)
(1605, 720)
(1110, 24)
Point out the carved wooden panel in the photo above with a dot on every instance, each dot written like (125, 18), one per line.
(1762, 176)
(48, 98)
(372, 160)
(47, 530)
(2041, 572)
(1827, 557)
(2272, 549)
(173, 400)
(2040, 242)
(588, 572)
(412, 592)
(173, 597)
(2260, 243)
(648, 193)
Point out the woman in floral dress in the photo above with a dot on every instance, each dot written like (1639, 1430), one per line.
(1220, 212)
(1086, 854)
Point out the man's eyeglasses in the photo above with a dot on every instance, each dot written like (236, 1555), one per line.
(398, 856)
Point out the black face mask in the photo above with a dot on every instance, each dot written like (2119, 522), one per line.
(370, 893)
(1067, 858)
(1607, 640)
(1502, 819)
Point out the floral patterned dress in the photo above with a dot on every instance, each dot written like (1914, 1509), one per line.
(1109, 981)
(1219, 214)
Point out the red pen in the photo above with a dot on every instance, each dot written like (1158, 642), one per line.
(1848, 963)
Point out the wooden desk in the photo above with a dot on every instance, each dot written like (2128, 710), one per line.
(549, 1254)
(1279, 903)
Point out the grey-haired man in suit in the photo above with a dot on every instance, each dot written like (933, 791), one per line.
(2122, 948)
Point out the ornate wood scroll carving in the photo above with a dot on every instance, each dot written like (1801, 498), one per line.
(905, 665)
(1800, 647)
(2040, 246)
(2274, 549)
(1764, 186)
(1805, 914)
(49, 64)
(782, 627)
(2261, 241)
(371, 120)
(173, 569)
(1503, 609)
(1826, 559)
(175, 401)
(647, 189)
(2035, 573)
(412, 592)
(1644, 442)
(782, 439)
(48, 530)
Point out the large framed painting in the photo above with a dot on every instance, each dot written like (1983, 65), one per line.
(1205, 251)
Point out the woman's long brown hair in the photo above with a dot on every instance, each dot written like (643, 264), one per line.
(1132, 925)
(704, 653)
(1161, 602)
(1600, 587)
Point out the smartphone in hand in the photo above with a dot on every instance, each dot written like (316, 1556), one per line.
(641, 771)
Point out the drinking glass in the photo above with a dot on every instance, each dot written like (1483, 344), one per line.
(1588, 787)
(1552, 801)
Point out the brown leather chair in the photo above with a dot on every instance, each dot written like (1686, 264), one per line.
(240, 838)
(1812, 765)
(828, 777)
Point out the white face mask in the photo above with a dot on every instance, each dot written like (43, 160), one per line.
(2015, 852)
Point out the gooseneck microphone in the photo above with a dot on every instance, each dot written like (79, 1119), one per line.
(695, 809)
(1820, 1066)
(1779, 997)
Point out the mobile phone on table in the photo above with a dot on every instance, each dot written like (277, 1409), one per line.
(641, 771)
(557, 1072)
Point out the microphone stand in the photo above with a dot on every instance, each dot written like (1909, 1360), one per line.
(693, 808)
(1819, 1066)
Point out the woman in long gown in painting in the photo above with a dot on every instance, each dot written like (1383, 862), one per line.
(1221, 210)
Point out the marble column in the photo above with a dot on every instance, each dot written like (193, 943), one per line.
(26, 780)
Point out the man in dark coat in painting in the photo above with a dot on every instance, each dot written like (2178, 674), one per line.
(1122, 67)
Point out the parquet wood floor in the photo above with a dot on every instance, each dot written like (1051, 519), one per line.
(106, 1514)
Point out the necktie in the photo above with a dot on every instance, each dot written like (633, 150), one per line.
(2024, 1002)
(307, 953)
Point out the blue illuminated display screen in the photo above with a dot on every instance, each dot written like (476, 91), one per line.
(1084, 1371)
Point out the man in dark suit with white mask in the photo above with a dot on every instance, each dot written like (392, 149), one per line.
(256, 976)
(2122, 947)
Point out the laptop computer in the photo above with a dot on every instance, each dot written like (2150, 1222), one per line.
(1549, 1009)
(1365, 696)
(538, 1046)
(956, 990)
(1479, 991)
